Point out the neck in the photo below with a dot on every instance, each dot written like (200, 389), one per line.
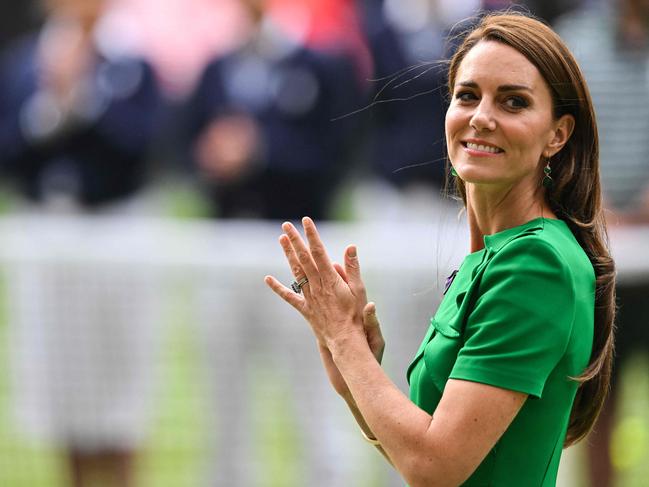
(491, 210)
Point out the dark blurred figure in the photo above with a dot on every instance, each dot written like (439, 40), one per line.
(266, 141)
(262, 129)
(16, 18)
(549, 10)
(407, 121)
(611, 42)
(76, 117)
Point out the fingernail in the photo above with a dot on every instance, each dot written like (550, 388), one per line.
(352, 252)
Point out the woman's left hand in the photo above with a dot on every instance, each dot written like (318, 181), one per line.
(332, 305)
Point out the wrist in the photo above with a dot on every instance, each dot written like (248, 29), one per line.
(371, 440)
(351, 342)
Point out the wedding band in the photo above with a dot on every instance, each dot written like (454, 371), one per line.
(297, 285)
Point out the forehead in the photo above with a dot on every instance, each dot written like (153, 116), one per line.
(491, 62)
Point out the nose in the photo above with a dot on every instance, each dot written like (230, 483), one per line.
(483, 117)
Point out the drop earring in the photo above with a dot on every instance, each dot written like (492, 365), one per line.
(453, 172)
(547, 179)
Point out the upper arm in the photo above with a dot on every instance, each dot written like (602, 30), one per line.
(520, 325)
(467, 423)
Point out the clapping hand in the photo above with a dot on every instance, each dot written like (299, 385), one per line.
(333, 301)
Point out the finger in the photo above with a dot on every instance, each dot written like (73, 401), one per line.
(317, 248)
(370, 320)
(293, 262)
(340, 270)
(353, 271)
(302, 253)
(296, 267)
(285, 293)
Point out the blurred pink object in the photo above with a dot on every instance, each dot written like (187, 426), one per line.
(325, 25)
(179, 36)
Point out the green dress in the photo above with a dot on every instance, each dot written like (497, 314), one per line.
(519, 315)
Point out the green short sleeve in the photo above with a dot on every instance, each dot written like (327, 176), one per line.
(520, 325)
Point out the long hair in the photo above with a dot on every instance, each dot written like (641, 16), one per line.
(575, 195)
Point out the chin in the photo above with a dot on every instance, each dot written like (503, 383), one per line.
(474, 175)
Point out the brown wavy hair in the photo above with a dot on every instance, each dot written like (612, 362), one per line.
(575, 195)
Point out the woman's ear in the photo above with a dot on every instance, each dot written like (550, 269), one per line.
(561, 134)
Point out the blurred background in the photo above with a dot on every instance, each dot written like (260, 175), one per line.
(149, 150)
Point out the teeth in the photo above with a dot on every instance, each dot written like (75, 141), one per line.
(483, 148)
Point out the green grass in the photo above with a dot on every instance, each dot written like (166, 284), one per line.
(630, 442)
(176, 450)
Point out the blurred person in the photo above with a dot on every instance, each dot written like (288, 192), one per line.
(265, 142)
(501, 382)
(76, 118)
(611, 41)
(405, 149)
(410, 131)
(263, 136)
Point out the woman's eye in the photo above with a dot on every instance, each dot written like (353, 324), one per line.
(465, 96)
(516, 102)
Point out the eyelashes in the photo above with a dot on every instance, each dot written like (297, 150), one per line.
(465, 96)
(516, 102)
(511, 102)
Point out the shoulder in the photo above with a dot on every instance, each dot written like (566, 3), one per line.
(546, 264)
(528, 252)
(526, 269)
(550, 245)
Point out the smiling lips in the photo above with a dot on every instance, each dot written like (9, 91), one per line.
(481, 148)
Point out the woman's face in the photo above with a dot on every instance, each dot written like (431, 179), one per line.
(499, 123)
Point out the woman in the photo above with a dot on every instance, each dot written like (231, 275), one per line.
(517, 359)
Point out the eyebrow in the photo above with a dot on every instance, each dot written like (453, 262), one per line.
(501, 88)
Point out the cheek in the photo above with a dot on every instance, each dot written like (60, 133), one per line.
(452, 123)
(527, 140)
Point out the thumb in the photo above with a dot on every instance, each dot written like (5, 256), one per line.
(370, 320)
(353, 271)
(373, 331)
